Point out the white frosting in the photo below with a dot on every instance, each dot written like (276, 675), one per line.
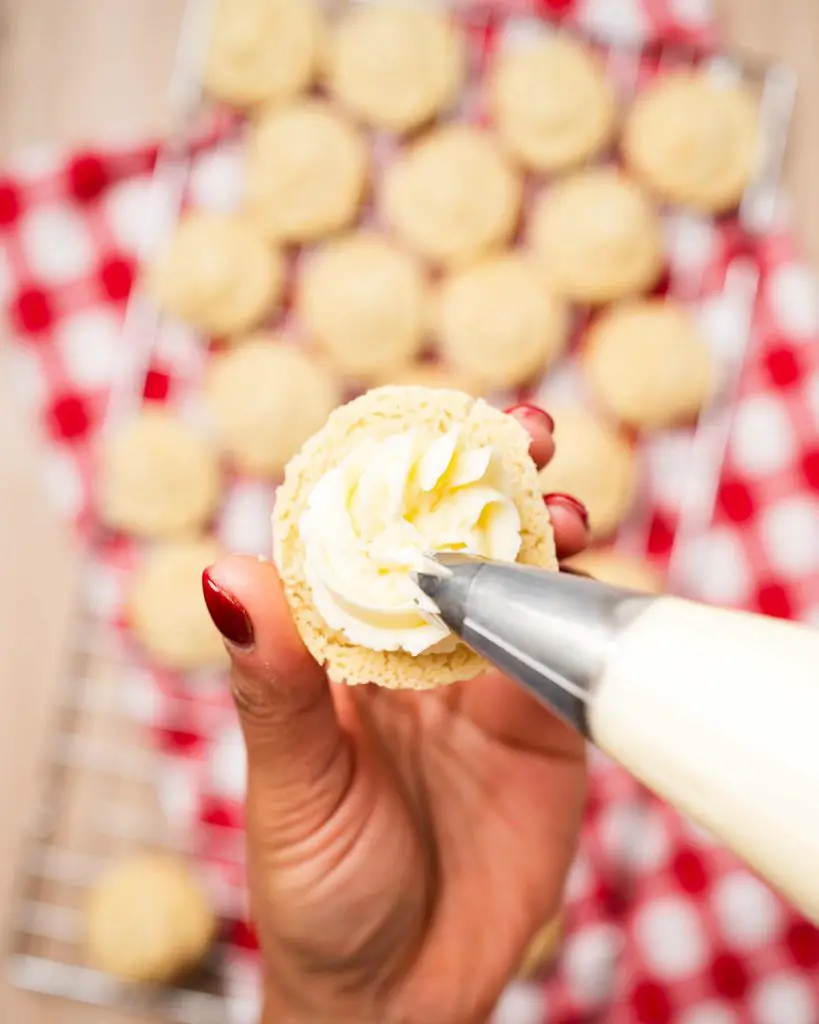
(371, 518)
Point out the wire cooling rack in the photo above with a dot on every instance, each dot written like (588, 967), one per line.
(101, 787)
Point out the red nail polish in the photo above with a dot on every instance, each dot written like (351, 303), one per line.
(228, 614)
(525, 411)
(567, 501)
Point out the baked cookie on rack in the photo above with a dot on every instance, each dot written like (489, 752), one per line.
(265, 398)
(694, 140)
(363, 300)
(619, 569)
(552, 103)
(392, 474)
(395, 67)
(496, 323)
(147, 921)
(597, 237)
(159, 478)
(452, 196)
(165, 607)
(647, 364)
(306, 172)
(262, 51)
(218, 274)
(594, 464)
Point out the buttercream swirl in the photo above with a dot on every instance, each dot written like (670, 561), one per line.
(370, 519)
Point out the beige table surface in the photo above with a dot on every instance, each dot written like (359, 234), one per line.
(73, 70)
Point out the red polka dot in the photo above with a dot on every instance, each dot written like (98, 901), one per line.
(783, 366)
(87, 176)
(660, 536)
(802, 940)
(32, 311)
(773, 599)
(611, 899)
(117, 276)
(735, 501)
(810, 468)
(729, 976)
(9, 203)
(690, 871)
(243, 935)
(68, 418)
(157, 386)
(650, 1003)
(553, 7)
(215, 814)
(181, 740)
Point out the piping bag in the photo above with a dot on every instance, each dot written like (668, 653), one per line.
(715, 711)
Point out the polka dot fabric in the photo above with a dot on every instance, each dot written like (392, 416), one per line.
(662, 925)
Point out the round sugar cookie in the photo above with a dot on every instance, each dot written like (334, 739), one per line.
(434, 375)
(594, 464)
(147, 921)
(166, 610)
(496, 322)
(262, 51)
(597, 237)
(452, 196)
(552, 103)
(647, 364)
(618, 569)
(306, 172)
(542, 948)
(363, 300)
(693, 140)
(159, 478)
(395, 68)
(395, 472)
(218, 274)
(266, 398)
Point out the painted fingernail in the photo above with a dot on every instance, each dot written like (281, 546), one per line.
(532, 412)
(567, 501)
(228, 614)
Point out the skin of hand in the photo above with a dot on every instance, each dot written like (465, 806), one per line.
(403, 848)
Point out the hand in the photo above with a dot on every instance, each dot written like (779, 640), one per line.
(403, 848)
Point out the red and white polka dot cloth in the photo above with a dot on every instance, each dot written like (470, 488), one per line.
(662, 925)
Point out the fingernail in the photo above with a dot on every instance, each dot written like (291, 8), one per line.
(567, 501)
(532, 412)
(228, 614)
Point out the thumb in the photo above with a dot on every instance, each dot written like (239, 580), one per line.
(298, 756)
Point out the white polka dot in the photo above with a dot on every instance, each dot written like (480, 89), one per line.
(520, 1004)
(26, 372)
(762, 439)
(716, 567)
(140, 696)
(623, 21)
(178, 795)
(64, 483)
(691, 241)
(670, 935)
(105, 591)
(634, 835)
(589, 964)
(141, 213)
(580, 877)
(785, 997)
(57, 243)
(710, 1013)
(217, 179)
(749, 912)
(794, 298)
(89, 341)
(229, 764)
(723, 320)
(790, 533)
(668, 461)
(692, 13)
(6, 275)
(40, 160)
(811, 393)
(245, 522)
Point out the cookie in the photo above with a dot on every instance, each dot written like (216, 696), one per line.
(158, 479)
(693, 140)
(392, 474)
(434, 375)
(363, 300)
(266, 398)
(165, 607)
(452, 196)
(594, 464)
(542, 948)
(147, 921)
(597, 237)
(262, 51)
(552, 103)
(306, 172)
(217, 274)
(647, 364)
(618, 569)
(395, 68)
(497, 323)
